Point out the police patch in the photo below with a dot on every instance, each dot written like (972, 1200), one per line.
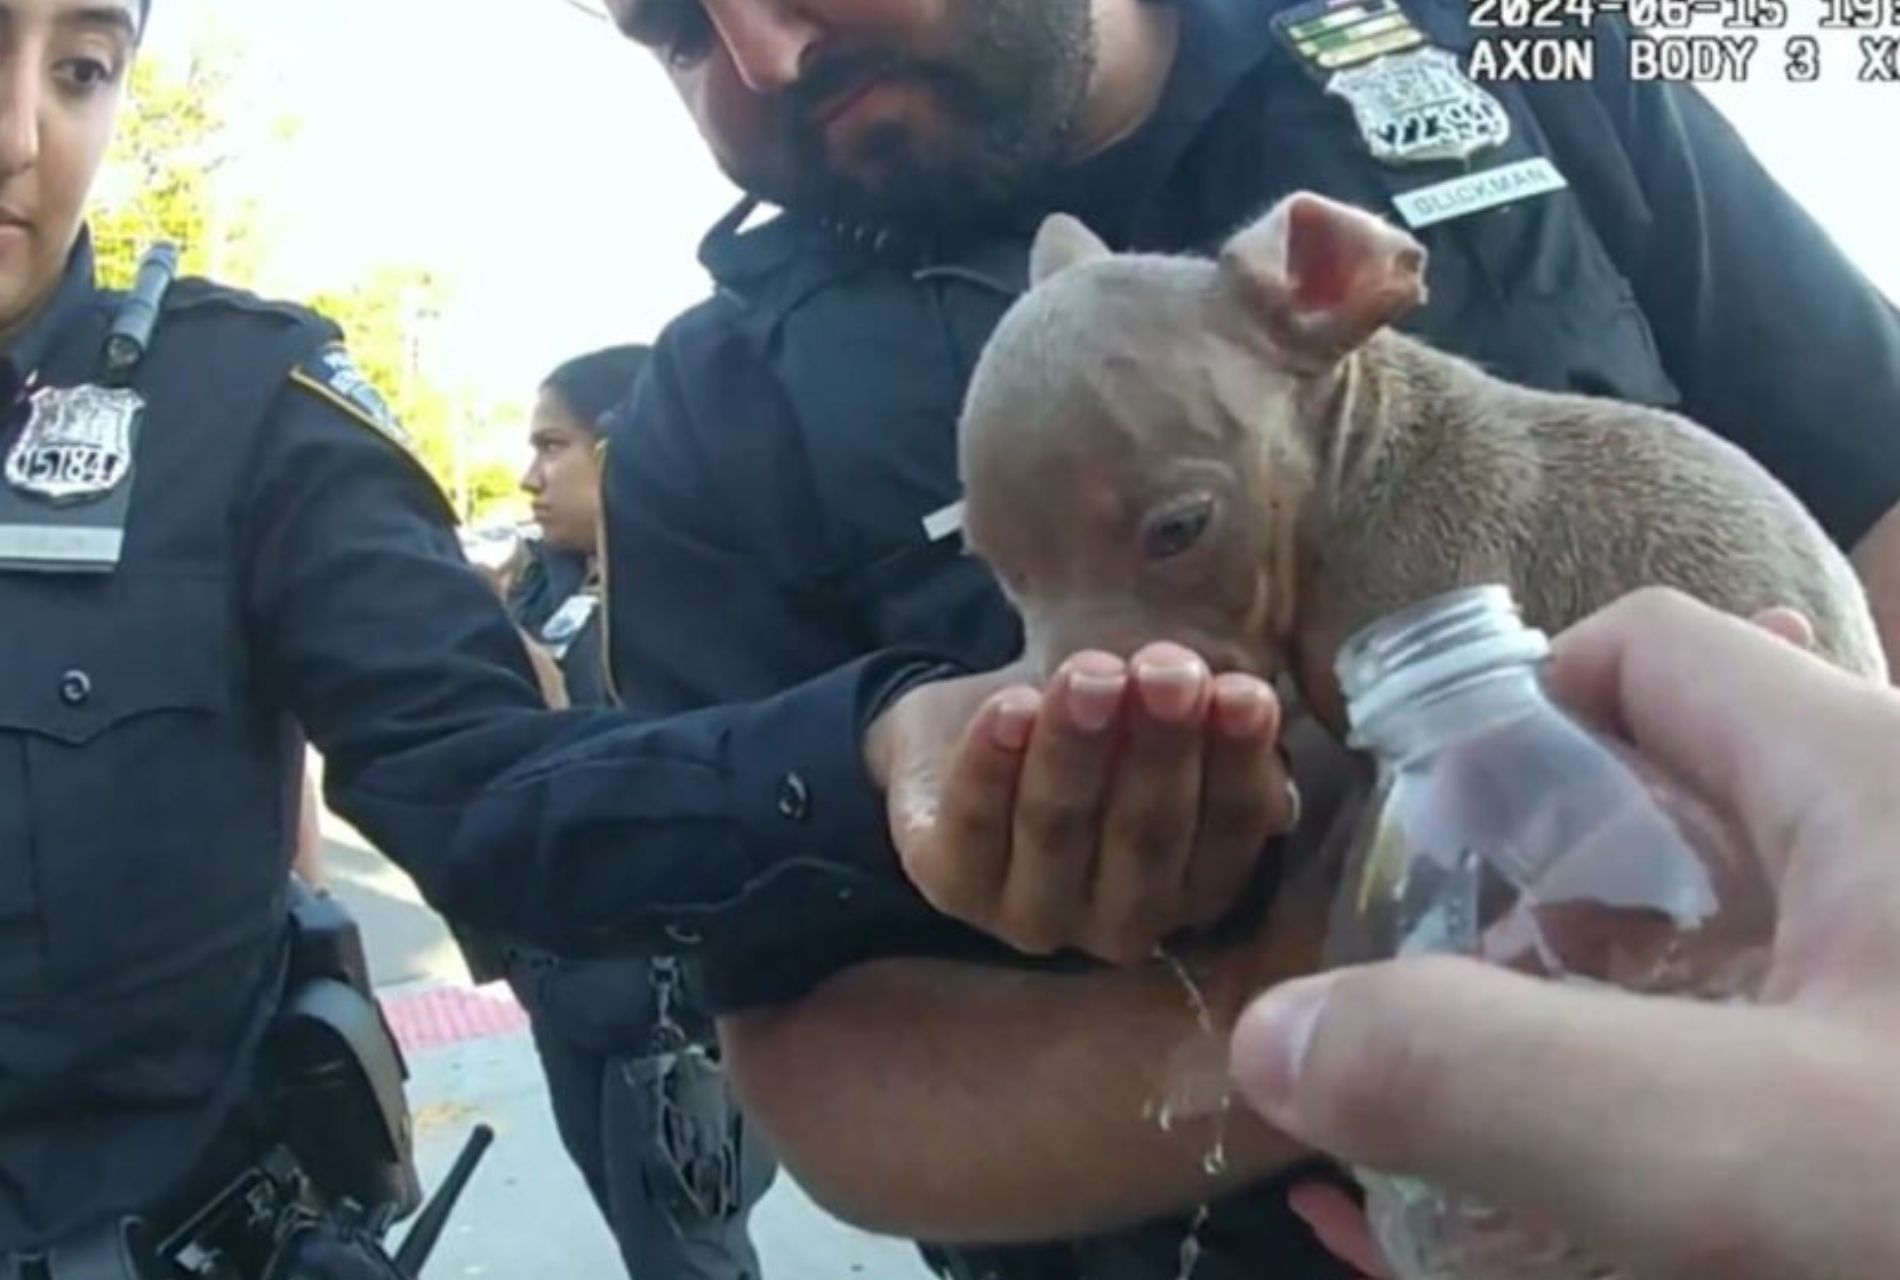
(332, 374)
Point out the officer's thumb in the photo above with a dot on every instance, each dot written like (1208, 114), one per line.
(1613, 1113)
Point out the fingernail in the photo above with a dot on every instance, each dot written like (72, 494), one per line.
(1094, 699)
(1014, 718)
(1242, 710)
(1271, 1040)
(1171, 690)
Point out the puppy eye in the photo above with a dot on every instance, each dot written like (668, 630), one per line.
(1170, 533)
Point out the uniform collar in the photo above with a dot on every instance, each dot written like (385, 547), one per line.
(75, 292)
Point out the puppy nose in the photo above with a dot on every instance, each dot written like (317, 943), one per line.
(1050, 656)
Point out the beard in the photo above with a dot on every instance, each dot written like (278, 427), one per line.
(1009, 94)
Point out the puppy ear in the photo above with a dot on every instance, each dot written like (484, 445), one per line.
(1322, 277)
(1063, 242)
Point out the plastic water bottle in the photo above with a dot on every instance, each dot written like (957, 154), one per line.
(1503, 828)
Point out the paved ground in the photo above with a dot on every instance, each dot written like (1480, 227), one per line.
(526, 1215)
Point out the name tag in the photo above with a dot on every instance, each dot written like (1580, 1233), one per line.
(940, 524)
(49, 547)
(1474, 192)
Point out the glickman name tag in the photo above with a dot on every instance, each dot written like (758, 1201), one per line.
(1474, 192)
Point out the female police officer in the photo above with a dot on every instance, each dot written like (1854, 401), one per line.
(209, 532)
(644, 1112)
(205, 532)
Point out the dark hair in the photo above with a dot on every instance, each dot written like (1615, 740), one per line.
(598, 381)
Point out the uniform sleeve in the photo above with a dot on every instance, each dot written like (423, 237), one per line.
(1775, 339)
(702, 610)
(586, 831)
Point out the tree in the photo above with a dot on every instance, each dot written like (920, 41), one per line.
(175, 173)
(389, 316)
(162, 177)
(492, 474)
(386, 316)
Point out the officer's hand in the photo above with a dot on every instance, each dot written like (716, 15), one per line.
(1672, 1138)
(1122, 802)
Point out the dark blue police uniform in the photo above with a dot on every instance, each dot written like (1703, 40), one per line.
(149, 767)
(641, 1103)
(555, 602)
(787, 505)
(284, 568)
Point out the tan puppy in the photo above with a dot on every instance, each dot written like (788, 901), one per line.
(1238, 455)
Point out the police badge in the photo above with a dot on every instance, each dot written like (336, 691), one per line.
(1419, 107)
(64, 505)
(76, 445)
(1413, 103)
(559, 634)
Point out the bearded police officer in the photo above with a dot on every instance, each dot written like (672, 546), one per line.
(212, 534)
(796, 447)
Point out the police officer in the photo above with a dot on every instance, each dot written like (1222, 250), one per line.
(556, 596)
(212, 537)
(639, 1100)
(796, 447)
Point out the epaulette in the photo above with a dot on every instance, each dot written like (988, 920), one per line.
(194, 293)
(772, 267)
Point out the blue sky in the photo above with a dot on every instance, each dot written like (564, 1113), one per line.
(542, 164)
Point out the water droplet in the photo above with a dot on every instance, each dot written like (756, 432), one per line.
(1202, 1072)
(1190, 1255)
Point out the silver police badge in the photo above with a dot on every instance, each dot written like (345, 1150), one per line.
(565, 626)
(1419, 107)
(76, 445)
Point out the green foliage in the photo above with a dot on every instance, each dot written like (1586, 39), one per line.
(386, 316)
(161, 179)
(174, 173)
(492, 477)
(494, 488)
